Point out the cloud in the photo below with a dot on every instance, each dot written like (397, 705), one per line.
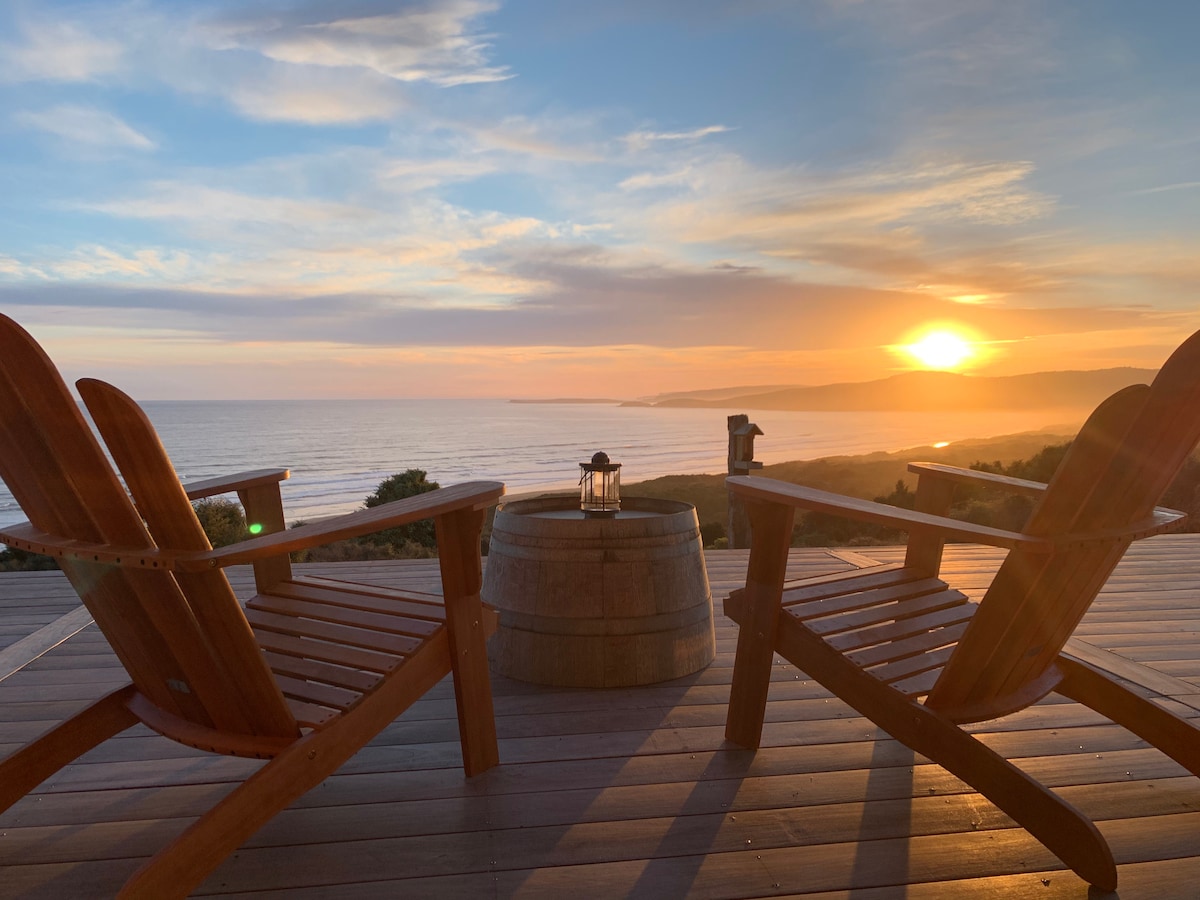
(639, 140)
(645, 181)
(258, 239)
(87, 126)
(178, 200)
(875, 220)
(57, 51)
(1180, 186)
(432, 42)
(295, 94)
(589, 302)
(96, 261)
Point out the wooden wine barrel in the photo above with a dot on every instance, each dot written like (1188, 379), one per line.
(598, 602)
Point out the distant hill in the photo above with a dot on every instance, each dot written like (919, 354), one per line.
(721, 393)
(927, 391)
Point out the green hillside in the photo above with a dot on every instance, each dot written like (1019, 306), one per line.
(868, 476)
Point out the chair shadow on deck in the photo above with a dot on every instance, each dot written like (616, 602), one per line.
(885, 861)
(677, 859)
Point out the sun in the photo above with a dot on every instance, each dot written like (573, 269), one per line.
(940, 349)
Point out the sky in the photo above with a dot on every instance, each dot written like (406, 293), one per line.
(553, 198)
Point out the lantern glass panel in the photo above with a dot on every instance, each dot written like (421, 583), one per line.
(600, 488)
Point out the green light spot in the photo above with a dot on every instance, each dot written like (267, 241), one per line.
(256, 528)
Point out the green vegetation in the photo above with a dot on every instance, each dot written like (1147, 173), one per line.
(884, 477)
(417, 540)
(409, 483)
(222, 520)
(225, 523)
(14, 560)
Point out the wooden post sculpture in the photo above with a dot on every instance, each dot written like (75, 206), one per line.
(741, 462)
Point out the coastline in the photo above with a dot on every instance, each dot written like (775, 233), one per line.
(865, 475)
(532, 448)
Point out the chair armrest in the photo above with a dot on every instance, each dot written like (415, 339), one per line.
(225, 484)
(25, 536)
(959, 475)
(1161, 520)
(770, 490)
(439, 502)
(431, 504)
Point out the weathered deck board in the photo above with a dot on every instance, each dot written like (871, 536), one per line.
(633, 791)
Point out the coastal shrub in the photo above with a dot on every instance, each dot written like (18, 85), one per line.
(357, 550)
(710, 533)
(417, 540)
(816, 529)
(406, 484)
(14, 560)
(222, 520)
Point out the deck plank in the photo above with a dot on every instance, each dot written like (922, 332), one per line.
(633, 791)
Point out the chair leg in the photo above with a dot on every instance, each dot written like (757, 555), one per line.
(64, 743)
(462, 577)
(178, 868)
(771, 536)
(1175, 736)
(1063, 829)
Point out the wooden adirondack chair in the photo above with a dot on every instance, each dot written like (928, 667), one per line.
(918, 658)
(304, 677)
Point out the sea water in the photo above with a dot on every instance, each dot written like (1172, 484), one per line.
(339, 451)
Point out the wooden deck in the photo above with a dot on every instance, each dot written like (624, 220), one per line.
(627, 792)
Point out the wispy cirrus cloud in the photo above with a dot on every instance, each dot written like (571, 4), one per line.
(434, 42)
(298, 94)
(55, 50)
(639, 140)
(85, 125)
(724, 201)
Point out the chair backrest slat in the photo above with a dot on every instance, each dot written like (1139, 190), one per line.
(54, 465)
(1115, 472)
(248, 688)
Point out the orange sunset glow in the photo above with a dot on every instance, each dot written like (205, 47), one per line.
(467, 198)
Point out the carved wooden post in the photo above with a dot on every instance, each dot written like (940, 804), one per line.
(741, 462)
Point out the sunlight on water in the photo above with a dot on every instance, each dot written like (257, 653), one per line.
(340, 450)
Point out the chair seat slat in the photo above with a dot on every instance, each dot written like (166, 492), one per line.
(369, 597)
(311, 715)
(831, 585)
(835, 604)
(887, 612)
(912, 646)
(922, 683)
(901, 629)
(331, 632)
(324, 651)
(384, 623)
(313, 692)
(314, 670)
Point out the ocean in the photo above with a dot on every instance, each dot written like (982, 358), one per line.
(340, 450)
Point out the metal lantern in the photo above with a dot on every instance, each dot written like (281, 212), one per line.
(600, 486)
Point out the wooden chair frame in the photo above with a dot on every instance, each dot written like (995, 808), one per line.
(304, 676)
(919, 658)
